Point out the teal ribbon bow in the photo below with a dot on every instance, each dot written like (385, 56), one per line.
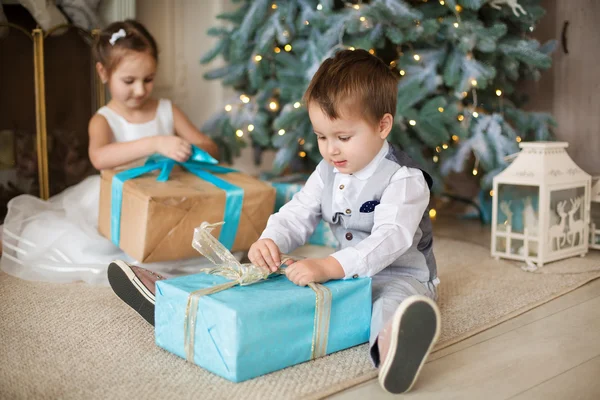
(200, 164)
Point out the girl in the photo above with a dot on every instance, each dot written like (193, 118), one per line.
(57, 240)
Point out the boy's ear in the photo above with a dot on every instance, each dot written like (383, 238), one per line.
(102, 72)
(385, 125)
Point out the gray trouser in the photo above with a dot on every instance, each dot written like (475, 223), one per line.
(388, 292)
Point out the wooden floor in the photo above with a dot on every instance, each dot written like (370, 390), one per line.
(550, 352)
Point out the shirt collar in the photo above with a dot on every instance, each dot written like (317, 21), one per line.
(370, 169)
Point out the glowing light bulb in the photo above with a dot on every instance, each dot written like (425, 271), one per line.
(491, 193)
(372, 51)
(432, 213)
(273, 105)
(435, 158)
(239, 133)
(474, 82)
(456, 24)
(287, 47)
(402, 72)
(281, 132)
(455, 138)
(228, 107)
(302, 154)
(257, 58)
(319, 6)
(460, 117)
(412, 122)
(362, 19)
(297, 104)
(444, 146)
(277, 50)
(519, 139)
(475, 172)
(475, 114)
(250, 128)
(441, 109)
(498, 92)
(244, 98)
(274, 6)
(417, 57)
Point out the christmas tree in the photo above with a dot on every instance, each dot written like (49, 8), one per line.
(459, 64)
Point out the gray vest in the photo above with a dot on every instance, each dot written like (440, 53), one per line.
(418, 261)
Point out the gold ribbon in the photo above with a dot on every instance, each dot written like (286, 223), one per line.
(243, 275)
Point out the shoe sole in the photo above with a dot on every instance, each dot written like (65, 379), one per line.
(415, 329)
(131, 290)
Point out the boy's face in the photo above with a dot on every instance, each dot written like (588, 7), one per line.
(350, 142)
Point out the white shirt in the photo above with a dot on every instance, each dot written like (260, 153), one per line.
(396, 220)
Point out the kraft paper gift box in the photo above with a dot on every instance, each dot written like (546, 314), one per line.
(153, 220)
(242, 332)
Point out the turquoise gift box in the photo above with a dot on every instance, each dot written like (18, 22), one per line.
(322, 236)
(246, 331)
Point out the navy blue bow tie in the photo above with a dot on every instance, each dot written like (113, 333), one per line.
(369, 206)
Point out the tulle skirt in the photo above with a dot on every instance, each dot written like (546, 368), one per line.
(58, 240)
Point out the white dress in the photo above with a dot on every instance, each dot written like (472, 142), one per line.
(58, 240)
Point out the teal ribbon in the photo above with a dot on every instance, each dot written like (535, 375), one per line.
(200, 164)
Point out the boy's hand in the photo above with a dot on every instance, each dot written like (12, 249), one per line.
(317, 270)
(173, 147)
(265, 254)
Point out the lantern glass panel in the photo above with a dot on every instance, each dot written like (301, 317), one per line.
(566, 218)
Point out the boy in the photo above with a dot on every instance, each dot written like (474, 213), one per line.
(375, 199)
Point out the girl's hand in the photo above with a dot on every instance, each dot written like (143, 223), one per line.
(173, 147)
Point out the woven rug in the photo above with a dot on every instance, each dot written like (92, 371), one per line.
(74, 341)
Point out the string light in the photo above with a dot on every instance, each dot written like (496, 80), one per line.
(491, 193)
(455, 138)
(498, 92)
(356, 7)
(412, 122)
(228, 107)
(257, 58)
(475, 114)
(239, 133)
(393, 64)
(274, 6)
(444, 146)
(474, 82)
(464, 94)
(475, 172)
(519, 139)
(319, 6)
(460, 117)
(306, 22)
(281, 132)
(456, 24)
(442, 2)
(277, 50)
(297, 104)
(273, 105)
(301, 142)
(372, 51)
(402, 72)
(362, 19)
(417, 57)
(351, 48)
(435, 159)
(250, 128)
(432, 213)
(302, 154)
(245, 99)
(458, 8)
(288, 47)
(438, 149)
(441, 109)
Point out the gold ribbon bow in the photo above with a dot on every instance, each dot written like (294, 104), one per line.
(243, 275)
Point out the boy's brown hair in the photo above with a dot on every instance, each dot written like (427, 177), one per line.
(137, 38)
(354, 81)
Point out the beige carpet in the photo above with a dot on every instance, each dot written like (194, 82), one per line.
(74, 341)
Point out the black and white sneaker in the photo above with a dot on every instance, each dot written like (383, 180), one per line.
(406, 341)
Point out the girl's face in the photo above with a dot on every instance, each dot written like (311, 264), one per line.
(132, 81)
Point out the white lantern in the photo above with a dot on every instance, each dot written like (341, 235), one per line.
(595, 214)
(541, 206)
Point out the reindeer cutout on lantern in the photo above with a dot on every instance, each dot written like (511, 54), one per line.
(505, 207)
(576, 226)
(557, 232)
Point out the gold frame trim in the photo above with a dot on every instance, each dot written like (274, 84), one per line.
(38, 36)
